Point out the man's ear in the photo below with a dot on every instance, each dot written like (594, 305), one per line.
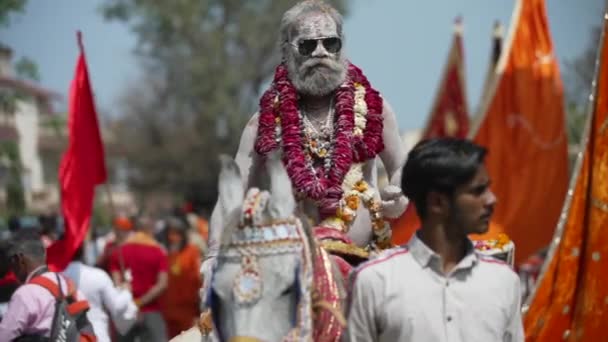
(437, 203)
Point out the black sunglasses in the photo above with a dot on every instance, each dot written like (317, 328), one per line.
(307, 46)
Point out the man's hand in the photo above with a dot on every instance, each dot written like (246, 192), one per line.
(393, 202)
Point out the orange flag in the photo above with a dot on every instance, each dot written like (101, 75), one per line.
(524, 130)
(571, 300)
(449, 118)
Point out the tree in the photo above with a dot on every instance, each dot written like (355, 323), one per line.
(7, 7)
(10, 160)
(578, 75)
(27, 69)
(205, 64)
(11, 166)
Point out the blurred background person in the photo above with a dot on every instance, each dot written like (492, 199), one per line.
(122, 227)
(140, 263)
(8, 280)
(105, 300)
(180, 304)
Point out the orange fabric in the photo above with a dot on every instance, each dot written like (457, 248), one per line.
(180, 304)
(448, 118)
(77, 307)
(524, 130)
(84, 337)
(52, 287)
(47, 284)
(123, 223)
(203, 227)
(405, 226)
(141, 238)
(572, 296)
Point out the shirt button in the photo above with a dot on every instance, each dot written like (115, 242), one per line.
(447, 283)
(449, 318)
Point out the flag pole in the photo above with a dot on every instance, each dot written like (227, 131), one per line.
(110, 200)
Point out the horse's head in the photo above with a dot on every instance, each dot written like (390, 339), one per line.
(261, 286)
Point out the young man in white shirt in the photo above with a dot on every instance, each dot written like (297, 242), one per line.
(437, 287)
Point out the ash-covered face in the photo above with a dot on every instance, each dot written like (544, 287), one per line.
(314, 55)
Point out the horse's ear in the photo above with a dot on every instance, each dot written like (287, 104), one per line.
(231, 190)
(282, 204)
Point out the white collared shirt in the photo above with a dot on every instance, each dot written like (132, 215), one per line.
(403, 295)
(101, 294)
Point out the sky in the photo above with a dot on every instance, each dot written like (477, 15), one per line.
(401, 45)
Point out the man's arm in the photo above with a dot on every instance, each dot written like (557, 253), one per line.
(115, 270)
(115, 300)
(361, 324)
(515, 330)
(17, 316)
(155, 291)
(393, 157)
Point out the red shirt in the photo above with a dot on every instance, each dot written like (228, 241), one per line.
(145, 259)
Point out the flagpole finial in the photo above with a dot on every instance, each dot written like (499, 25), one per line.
(498, 29)
(458, 26)
(79, 40)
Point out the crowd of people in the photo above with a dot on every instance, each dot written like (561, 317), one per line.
(141, 280)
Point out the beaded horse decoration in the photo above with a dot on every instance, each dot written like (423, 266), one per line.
(262, 284)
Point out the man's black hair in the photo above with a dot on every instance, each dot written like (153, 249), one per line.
(441, 165)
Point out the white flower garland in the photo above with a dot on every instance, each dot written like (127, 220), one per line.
(356, 189)
(360, 109)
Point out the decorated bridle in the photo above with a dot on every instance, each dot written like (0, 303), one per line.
(257, 238)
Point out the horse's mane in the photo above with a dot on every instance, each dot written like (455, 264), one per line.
(233, 220)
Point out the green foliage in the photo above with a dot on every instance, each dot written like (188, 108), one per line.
(8, 101)
(578, 76)
(575, 120)
(27, 68)
(206, 63)
(56, 122)
(10, 164)
(7, 7)
(101, 218)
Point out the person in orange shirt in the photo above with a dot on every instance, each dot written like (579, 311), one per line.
(180, 305)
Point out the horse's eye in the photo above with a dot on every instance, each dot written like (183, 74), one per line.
(288, 290)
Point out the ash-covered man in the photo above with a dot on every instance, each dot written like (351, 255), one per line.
(330, 124)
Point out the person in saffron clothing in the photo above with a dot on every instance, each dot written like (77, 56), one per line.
(181, 301)
(437, 287)
(140, 264)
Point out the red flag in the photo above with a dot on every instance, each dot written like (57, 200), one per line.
(82, 167)
(449, 118)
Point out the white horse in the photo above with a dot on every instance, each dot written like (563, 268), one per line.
(271, 281)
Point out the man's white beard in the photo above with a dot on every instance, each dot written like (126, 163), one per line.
(317, 76)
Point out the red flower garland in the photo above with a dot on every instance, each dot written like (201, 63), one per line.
(279, 104)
